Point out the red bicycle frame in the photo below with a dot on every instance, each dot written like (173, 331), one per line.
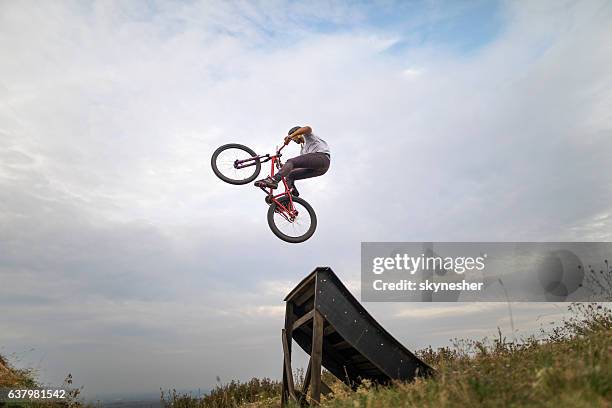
(288, 212)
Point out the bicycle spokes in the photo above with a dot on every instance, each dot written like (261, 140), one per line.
(292, 223)
(233, 163)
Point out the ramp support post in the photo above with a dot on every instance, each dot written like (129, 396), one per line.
(287, 358)
(316, 357)
(288, 390)
(307, 380)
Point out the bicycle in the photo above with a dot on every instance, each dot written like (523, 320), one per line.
(290, 218)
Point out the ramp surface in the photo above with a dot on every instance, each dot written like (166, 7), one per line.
(355, 346)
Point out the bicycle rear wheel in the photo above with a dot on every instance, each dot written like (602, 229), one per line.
(294, 230)
(223, 163)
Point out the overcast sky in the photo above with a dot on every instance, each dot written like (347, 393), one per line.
(126, 262)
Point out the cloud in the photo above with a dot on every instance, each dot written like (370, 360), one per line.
(117, 240)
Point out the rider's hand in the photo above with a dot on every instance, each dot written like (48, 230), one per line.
(287, 140)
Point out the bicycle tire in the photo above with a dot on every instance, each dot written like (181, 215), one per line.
(288, 238)
(219, 173)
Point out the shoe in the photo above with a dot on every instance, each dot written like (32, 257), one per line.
(292, 188)
(268, 182)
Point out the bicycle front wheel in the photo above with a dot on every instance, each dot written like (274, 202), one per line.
(292, 229)
(225, 164)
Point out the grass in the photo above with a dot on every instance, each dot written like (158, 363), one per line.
(257, 392)
(567, 366)
(13, 378)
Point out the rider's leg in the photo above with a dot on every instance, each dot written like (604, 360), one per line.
(272, 182)
(301, 173)
(287, 168)
(319, 162)
(318, 165)
(291, 180)
(300, 167)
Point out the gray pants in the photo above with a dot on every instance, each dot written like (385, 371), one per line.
(305, 166)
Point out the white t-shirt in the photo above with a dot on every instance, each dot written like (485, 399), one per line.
(314, 144)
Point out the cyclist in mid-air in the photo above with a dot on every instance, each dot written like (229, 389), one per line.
(313, 160)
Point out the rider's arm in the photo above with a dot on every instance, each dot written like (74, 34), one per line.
(306, 130)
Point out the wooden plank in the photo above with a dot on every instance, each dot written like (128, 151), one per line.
(287, 356)
(289, 319)
(306, 381)
(303, 320)
(307, 307)
(335, 361)
(316, 356)
(366, 365)
(325, 390)
(301, 286)
(341, 345)
(306, 294)
(329, 329)
(358, 358)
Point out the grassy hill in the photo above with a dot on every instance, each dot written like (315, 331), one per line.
(13, 378)
(568, 366)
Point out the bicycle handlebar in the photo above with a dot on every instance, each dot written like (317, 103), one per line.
(282, 147)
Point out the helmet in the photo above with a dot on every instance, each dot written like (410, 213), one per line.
(292, 130)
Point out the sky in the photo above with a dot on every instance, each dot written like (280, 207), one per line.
(126, 262)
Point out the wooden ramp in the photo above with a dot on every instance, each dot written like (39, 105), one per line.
(328, 323)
